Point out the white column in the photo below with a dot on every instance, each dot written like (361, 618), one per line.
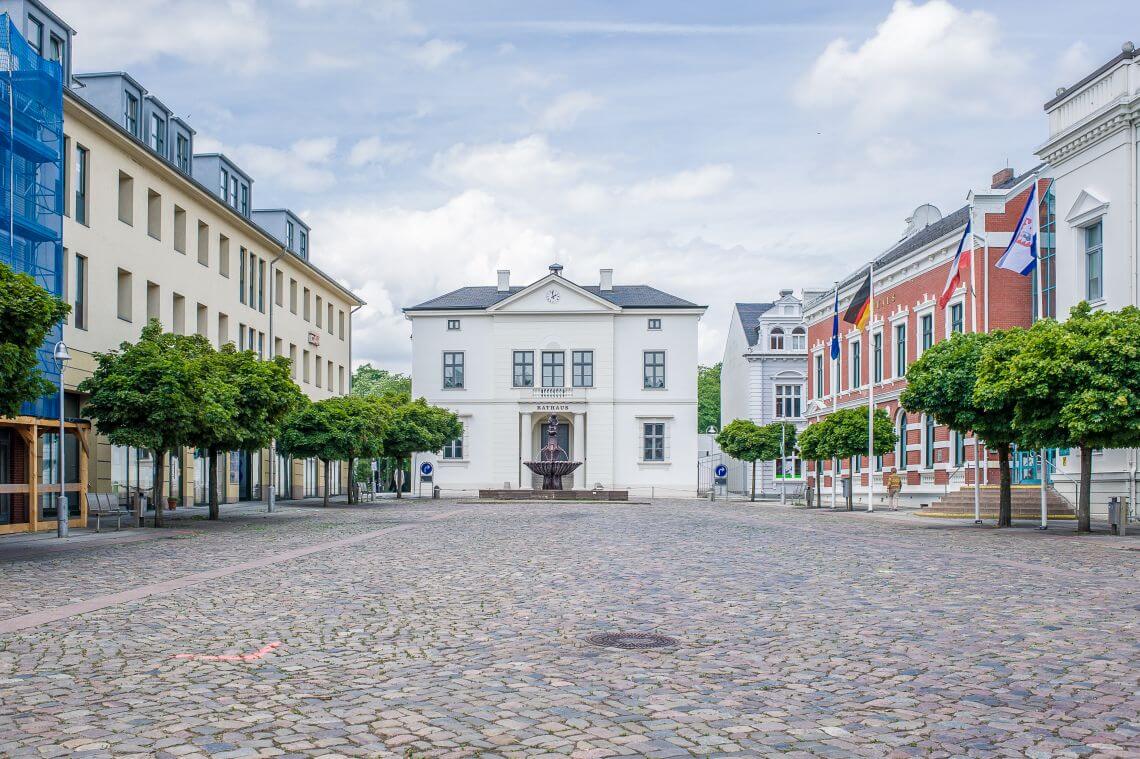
(579, 450)
(526, 449)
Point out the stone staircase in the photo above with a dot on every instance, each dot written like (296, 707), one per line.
(1026, 503)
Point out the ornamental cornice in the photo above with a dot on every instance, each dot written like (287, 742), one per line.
(1056, 151)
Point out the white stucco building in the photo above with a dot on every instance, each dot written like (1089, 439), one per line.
(1093, 155)
(617, 364)
(763, 376)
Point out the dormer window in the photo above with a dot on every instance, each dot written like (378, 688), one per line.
(799, 339)
(776, 339)
(131, 114)
(234, 190)
(225, 184)
(655, 324)
(245, 200)
(158, 133)
(55, 49)
(289, 235)
(182, 153)
(304, 251)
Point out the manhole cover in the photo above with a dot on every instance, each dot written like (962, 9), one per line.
(630, 640)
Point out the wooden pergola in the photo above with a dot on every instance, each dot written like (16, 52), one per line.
(26, 466)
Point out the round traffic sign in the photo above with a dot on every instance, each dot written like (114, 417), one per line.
(426, 469)
(721, 470)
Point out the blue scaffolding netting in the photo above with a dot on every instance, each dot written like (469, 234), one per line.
(31, 180)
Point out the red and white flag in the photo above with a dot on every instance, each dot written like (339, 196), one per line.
(959, 268)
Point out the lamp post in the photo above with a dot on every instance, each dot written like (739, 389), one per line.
(61, 511)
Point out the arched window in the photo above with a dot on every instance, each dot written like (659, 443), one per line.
(776, 339)
(900, 453)
(799, 339)
(928, 442)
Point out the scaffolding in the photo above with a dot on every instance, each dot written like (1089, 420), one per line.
(31, 181)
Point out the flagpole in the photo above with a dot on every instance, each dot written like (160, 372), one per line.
(1044, 473)
(871, 400)
(834, 400)
(974, 322)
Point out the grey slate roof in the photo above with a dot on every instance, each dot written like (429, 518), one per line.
(626, 296)
(749, 314)
(925, 236)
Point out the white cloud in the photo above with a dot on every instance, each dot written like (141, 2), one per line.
(434, 53)
(684, 185)
(320, 60)
(1074, 64)
(117, 35)
(566, 108)
(302, 167)
(927, 58)
(372, 150)
(525, 163)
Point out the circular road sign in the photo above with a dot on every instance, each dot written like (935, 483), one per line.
(721, 470)
(426, 469)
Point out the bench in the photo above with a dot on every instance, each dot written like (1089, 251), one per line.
(106, 505)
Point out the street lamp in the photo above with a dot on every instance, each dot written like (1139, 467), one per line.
(61, 513)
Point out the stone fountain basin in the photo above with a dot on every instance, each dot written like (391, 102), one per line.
(558, 468)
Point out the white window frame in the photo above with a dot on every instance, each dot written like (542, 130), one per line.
(464, 451)
(666, 433)
(664, 369)
(820, 385)
(948, 327)
(871, 357)
(854, 367)
(462, 370)
(1087, 256)
(919, 314)
(783, 400)
(798, 337)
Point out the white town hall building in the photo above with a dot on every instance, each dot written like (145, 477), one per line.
(617, 364)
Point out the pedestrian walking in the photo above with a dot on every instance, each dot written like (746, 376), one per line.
(894, 487)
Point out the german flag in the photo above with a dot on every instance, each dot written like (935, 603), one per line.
(860, 309)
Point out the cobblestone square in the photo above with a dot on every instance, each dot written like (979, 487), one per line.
(454, 629)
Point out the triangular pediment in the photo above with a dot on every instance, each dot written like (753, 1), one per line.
(1086, 208)
(554, 294)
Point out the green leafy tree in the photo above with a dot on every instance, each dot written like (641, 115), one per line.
(848, 436)
(336, 429)
(744, 440)
(781, 438)
(708, 397)
(815, 445)
(154, 394)
(27, 314)
(418, 427)
(1075, 383)
(256, 396)
(367, 380)
(943, 383)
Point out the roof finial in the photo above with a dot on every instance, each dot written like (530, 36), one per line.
(556, 269)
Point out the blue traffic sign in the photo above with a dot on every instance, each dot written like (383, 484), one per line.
(721, 470)
(426, 469)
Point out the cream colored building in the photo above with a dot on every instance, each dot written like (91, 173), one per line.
(144, 239)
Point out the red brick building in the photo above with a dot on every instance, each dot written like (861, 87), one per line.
(908, 278)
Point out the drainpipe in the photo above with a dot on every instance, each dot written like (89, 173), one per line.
(1134, 244)
(271, 490)
(351, 311)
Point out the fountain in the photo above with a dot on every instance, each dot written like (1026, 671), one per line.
(549, 465)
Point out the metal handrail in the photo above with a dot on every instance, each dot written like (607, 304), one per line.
(949, 477)
(1076, 483)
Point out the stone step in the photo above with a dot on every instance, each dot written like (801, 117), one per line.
(1025, 503)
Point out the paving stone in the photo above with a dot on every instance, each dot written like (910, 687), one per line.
(801, 633)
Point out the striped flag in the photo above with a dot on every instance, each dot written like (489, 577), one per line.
(860, 308)
(1021, 255)
(958, 268)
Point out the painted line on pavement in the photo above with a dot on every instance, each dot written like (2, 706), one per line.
(56, 613)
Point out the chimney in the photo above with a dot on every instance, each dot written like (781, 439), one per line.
(1001, 178)
(504, 280)
(607, 280)
(786, 293)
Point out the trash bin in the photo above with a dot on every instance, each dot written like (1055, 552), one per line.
(846, 487)
(435, 491)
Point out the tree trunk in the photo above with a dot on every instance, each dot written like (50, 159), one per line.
(328, 466)
(215, 512)
(352, 497)
(753, 480)
(1084, 499)
(159, 502)
(398, 484)
(1005, 504)
(819, 484)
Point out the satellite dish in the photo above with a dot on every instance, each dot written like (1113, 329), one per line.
(921, 218)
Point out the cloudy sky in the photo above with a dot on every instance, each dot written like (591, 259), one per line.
(718, 150)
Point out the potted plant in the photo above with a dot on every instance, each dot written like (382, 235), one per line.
(171, 503)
